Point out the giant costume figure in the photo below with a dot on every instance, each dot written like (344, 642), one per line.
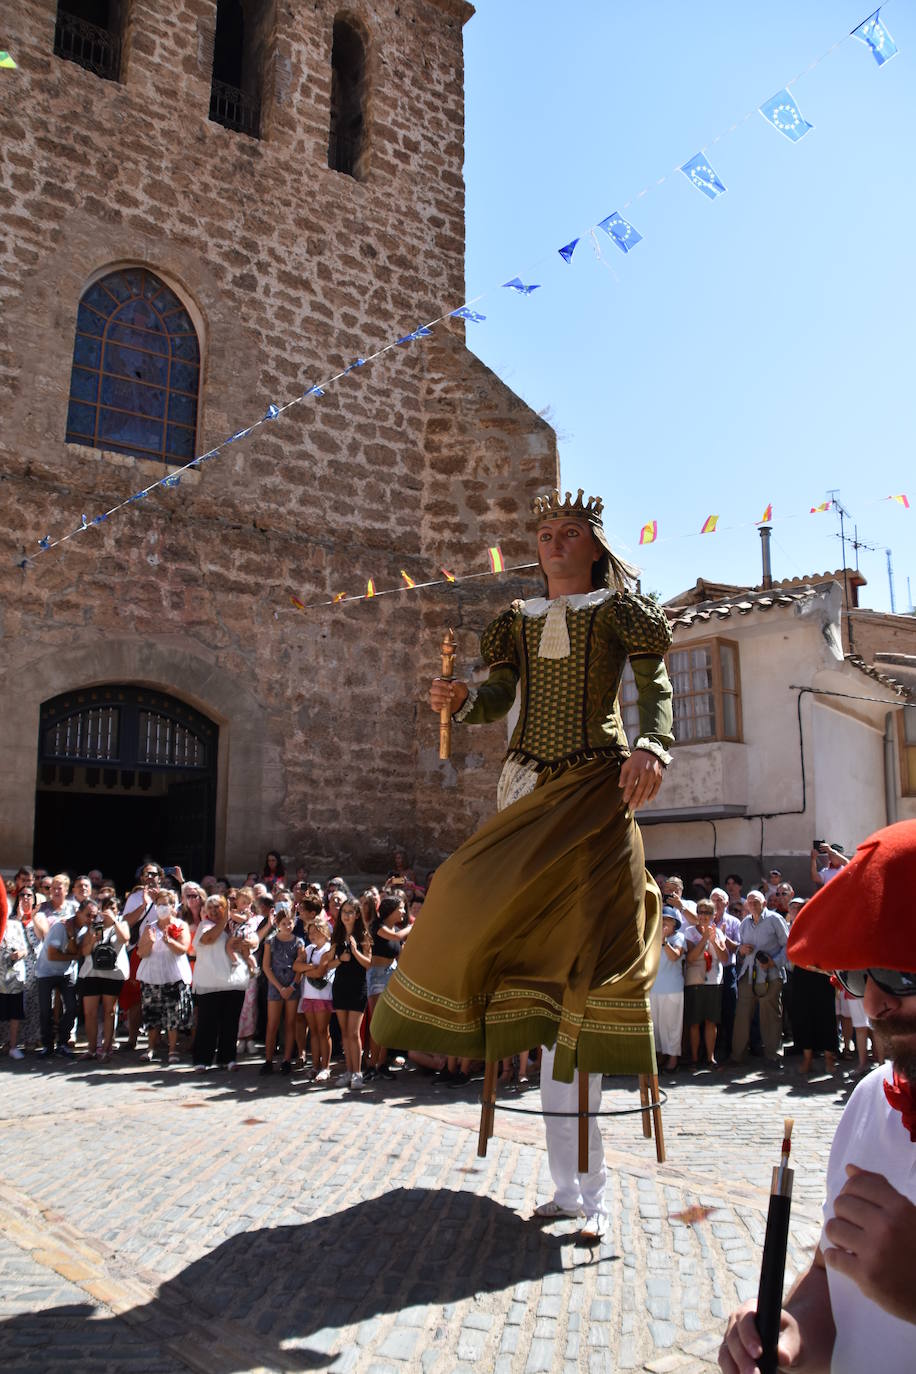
(544, 927)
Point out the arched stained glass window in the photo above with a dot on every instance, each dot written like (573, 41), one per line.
(136, 369)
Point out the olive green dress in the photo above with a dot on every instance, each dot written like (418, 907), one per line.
(544, 927)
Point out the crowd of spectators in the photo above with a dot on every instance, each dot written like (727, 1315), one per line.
(725, 987)
(210, 971)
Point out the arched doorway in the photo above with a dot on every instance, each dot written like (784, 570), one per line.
(124, 772)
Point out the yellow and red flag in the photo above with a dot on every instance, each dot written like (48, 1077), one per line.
(408, 580)
(341, 596)
(825, 505)
(497, 562)
(299, 605)
(901, 500)
(709, 524)
(370, 589)
(449, 577)
(767, 515)
(649, 533)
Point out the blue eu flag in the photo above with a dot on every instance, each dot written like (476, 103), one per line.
(783, 113)
(567, 252)
(699, 173)
(621, 231)
(874, 32)
(516, 284)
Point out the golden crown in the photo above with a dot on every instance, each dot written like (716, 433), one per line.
(552, 507)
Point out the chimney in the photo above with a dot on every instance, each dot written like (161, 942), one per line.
(765, 532)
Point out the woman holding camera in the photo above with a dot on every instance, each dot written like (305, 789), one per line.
(103, 971)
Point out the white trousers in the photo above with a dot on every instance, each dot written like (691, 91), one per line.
(572, 1189)
(668, 1019)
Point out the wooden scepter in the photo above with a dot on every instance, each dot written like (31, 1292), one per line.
(447, 675)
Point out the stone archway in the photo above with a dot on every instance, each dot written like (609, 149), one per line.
(245, 806)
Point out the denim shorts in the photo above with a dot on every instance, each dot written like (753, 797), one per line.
(377, 980)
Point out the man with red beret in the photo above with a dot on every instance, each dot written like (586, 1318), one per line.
(855, 1307)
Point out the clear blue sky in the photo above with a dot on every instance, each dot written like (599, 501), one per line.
(756, 348)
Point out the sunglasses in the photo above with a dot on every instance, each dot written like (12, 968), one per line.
(889, 980)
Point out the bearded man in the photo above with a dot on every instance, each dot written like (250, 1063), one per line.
(855, 1307)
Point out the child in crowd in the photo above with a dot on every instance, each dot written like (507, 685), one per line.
(281, 951)
(242, 926)
(316, 1004)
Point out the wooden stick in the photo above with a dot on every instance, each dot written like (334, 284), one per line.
(487, 1108)
(657, 1119)
(445, 714)
(583, 1123)
(644, 1102)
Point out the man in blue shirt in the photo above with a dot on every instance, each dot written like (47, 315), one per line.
(56, 967)
(761, 971)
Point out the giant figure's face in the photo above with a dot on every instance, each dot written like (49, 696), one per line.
(567, 548)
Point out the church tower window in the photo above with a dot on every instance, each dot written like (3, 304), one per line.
(136, 369)
(348, 100)
(239, 51)
(88, 32)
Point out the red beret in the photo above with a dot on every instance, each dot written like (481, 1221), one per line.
(863, 918)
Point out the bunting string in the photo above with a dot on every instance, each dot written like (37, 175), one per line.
(648, 535)
(780, 110)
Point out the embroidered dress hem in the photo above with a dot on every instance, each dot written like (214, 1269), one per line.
(543, 928)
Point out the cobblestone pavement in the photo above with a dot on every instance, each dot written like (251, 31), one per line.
(154, 1219)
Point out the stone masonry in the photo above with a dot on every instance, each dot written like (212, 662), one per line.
(290, 271)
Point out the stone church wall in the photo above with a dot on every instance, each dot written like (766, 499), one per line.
(290, 271)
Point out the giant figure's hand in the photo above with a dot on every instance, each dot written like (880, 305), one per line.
(451, 694)
(640, 778)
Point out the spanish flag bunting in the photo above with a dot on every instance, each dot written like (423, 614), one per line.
(497, 563)
(815, 510)
(901, 501)
(341, 596)
(299, 605)
(449, 577)
(709, 525)
(370, 589)
(408, 580)
(649, 533)
(767, 516)
(7, 61)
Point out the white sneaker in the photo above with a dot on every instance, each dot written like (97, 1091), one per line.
(356, 1080)
(232, 1066)
(17, 1053)
(593, 1228)
(553, 1209)
(323, 1076)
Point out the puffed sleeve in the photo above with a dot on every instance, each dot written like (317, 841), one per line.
(643, 629)
(494, 698)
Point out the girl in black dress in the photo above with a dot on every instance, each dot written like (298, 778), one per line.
(351, 955)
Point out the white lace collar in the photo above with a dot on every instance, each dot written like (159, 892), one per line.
(540, 605)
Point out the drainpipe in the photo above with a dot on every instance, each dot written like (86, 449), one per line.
(765, 533)
(890, 788)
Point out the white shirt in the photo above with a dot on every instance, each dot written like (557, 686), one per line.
(161, 965)
(215, 970)
(872, 1135)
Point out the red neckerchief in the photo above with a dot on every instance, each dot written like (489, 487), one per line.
(902, 1097)
(708, 959)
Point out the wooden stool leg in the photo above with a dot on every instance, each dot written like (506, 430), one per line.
(583, 1123)
(487, 1108)
(657, 1119)
(644, 1101)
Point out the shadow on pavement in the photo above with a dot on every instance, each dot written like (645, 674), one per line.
(286, 1292)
